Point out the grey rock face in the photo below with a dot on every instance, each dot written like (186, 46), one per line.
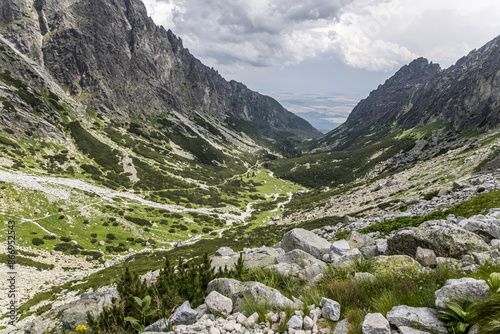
(251, 320)
(426, 257)
(446, 240)
(300, 264)
(146, 61)
(342, 327)
(369, 251)
(307, 241)
(330, 309)
(224, 251)
(381, 246)
(468, 288)
(218, 303)
(184, 315)
(488, 228)
(295, 322)
(77, 315)
(38, 326)
(158, 326)
(347, 258)
(254, 257)
(409, 330)
(261, 257)
(358, 240)
(307, 323)
(339, 248)
(425, 318)
(375, 323)
(238, 291)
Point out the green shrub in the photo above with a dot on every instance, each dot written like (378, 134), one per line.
(68, 247)
(7, 141)
(138, 221)
(37, 241)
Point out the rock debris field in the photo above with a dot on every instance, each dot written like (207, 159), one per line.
(466, 243)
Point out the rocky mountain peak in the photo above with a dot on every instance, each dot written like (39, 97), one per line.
(111, 56)
(415, 73)
(463, 96)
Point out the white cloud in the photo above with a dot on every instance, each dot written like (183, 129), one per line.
(376, 35)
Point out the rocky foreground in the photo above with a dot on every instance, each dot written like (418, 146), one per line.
(465, 243)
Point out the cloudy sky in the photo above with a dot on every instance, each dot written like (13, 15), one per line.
(324, 51)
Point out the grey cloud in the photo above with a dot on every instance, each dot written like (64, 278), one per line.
(260, 33)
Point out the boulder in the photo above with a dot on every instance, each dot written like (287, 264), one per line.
(253, 257)
(347, 259)
(38, 325)
(375, 323)
(300, 258)
(339, 248)
(342, 327)
(394, 263)
(330, 309)
(309, 242)
(488, 228)
(286, 269)
(224, 251)
(158, 326)
(381, 246)
(219, 262)
(422, 317)
(480, 258)
(252, 320)
(77, 315)
(367, 277)
(218, 303)
(358, 240)
(445, 239)
(448, 261)
(184, 315)
(409, 330)
(300, 264)
(239, 291)
(369, 251)
(426, 257)
(307, 323)
(202, 310)
(467, 288)
(295, 322)
(348, 220)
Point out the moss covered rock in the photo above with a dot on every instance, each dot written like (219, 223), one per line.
(445, 239)
(395, 263)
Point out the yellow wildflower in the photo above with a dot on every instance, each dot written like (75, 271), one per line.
(81, 328)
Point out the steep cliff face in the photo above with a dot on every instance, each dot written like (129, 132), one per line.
(111, 55)
(384, 105)
(464, 96)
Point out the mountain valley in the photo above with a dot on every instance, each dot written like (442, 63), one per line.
(118, 148)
